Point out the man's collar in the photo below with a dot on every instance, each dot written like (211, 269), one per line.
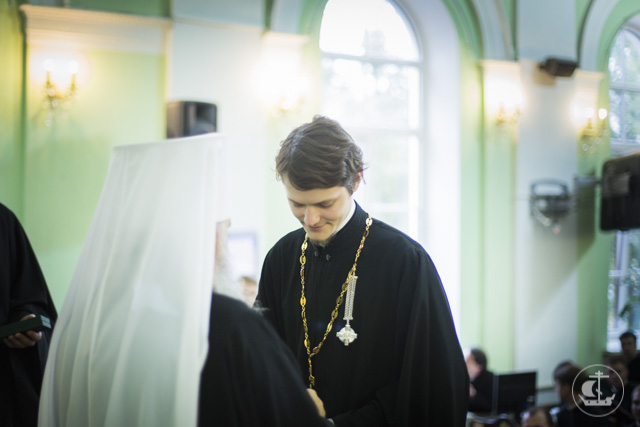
(344, 222)
(346, 219)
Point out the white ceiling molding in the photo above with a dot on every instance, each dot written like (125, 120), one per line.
(496, 32)
(592, 33)
(83, 29)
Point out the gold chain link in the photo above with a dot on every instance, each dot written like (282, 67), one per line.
(334, 313)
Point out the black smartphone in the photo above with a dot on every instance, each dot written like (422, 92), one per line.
(37, 323)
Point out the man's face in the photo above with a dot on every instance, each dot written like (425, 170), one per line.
(473, 368)
(536, 420)
(623, 373)
(635, 404)
(628, 346)
(320, 211)
(563, 391)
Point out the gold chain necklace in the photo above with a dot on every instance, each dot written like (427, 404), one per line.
(334, 313)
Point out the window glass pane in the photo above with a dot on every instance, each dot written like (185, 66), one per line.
(616, 60)
(372, 86)
(388, 157)
(373, 28)
(385, 95)
(631, 52)
(632, 116)
(615, 113)
(386, 192)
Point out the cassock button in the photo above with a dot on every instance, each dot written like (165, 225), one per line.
(316, 253)
(328, 257)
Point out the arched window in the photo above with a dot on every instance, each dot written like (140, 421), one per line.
(372, 86)
(624, 93)
(624, 122)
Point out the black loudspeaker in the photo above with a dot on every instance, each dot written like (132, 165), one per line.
(187, 118)
(559, 67)
(620, 195)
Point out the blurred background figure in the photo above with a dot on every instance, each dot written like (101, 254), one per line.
(568, 380)
(481, 385)
(628, 347)
(635, 407)
(537, 416)
(249, 289)
(622, 387)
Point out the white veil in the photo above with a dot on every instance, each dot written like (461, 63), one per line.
(132, 335)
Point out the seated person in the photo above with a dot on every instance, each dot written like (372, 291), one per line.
(622, 387)
(481, 386)
(568, 379)
(628, 346)
(537, 416)
(635, 407)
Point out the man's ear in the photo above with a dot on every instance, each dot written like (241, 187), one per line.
(356, 182)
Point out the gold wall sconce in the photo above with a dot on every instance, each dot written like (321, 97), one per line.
(59, 96)
(594, 126)
(281, 80)
(503, 94)
(591, 126)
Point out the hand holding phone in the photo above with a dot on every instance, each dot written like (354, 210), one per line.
(24, 333)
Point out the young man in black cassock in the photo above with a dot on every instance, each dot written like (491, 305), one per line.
(23, 293)
(384, 352)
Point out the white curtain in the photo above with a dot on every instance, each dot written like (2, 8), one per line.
(131, 337)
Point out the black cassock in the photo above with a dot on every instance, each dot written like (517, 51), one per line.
(250, 377)
(406, 367)
(23, 290)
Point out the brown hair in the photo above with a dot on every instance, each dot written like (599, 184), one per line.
(479, 356)
(571, 375)
(320, 154)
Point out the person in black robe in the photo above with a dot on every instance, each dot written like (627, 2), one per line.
(250, 377)
(572, 412)
(405, 367)
(23, 293)
(628, 346)
(481, 388)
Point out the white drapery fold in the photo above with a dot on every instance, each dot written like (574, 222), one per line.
(132, 335)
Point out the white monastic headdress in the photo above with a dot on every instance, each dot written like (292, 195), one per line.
(132, 335)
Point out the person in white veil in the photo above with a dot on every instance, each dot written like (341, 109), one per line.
(132, 336)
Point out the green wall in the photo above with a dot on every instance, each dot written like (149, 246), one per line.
(52, 176)
(11, 77)
(471, 204)
(120, 102)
